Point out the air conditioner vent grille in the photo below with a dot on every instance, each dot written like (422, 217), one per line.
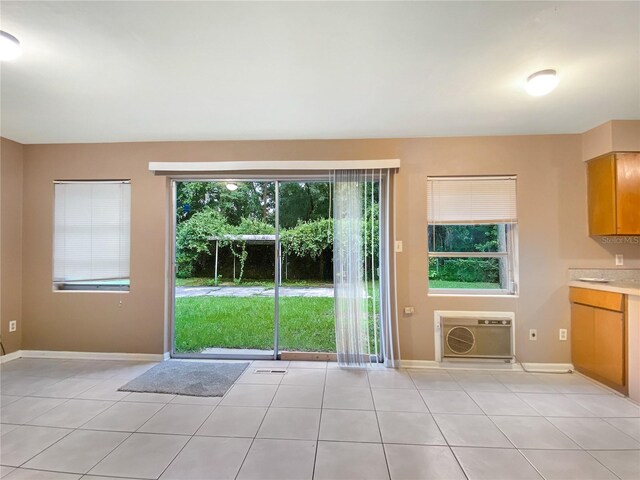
(480, 335)
(460, 340)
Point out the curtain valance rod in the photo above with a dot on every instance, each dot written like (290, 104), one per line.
(266, 165)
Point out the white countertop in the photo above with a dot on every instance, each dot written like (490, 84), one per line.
(626, 288)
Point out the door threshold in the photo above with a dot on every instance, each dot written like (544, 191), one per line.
(309, 356)
(255, 352)
(200, 356)
(227, 353)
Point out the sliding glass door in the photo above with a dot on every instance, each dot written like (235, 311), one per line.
(306, 295)
(254, 268)
(225, 269)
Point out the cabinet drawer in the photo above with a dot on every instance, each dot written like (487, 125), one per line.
(597, 298)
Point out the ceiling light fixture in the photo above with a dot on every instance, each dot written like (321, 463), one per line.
(232, 186)
(542, 82)
(10, 48)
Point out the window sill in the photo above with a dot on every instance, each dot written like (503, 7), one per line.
(92, 290)
(433, 293)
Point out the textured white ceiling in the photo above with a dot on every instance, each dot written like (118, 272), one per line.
(139, 71)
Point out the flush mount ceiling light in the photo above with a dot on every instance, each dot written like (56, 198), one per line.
(232, 186)
(542, 82)
(10, 48)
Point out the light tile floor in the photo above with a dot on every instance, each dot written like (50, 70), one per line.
(65, 419)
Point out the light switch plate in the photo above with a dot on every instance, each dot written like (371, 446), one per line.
(563, 335)
(619, 259)
(398, 246)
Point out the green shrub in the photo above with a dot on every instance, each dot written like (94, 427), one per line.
(309, 238)
(466, 270)
(192, 241)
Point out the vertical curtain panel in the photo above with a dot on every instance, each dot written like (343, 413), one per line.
(362, 266)
(351, 316)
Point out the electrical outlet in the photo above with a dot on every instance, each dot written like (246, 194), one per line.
(399, 246)
(533, 334)
(619, 259)
(563, 334)
(409, 310)
(13, 326)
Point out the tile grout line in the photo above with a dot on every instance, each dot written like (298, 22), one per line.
(619, 429)
(554, 391)
(500, 430)
(34, 456)
(79, 428)
(453, 454)
(164, 404)
(315, 455)
(597, 460)
(215, 407)
(244, 459)
(108, 453)
(73, 429)
(175, 456)
(484, 412)
(384, 450)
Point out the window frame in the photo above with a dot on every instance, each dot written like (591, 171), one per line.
(88, 286)
(510, 252)
(511, 233)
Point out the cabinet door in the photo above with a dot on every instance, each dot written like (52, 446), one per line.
(609, 345)
(628, 193)
(601, 189)
(582, 336)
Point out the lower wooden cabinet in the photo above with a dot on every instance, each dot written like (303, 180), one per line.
(609, 346)
(583, 336)
(598, 336)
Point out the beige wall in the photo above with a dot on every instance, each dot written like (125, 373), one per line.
(612, 136)
(11, 155)
(552, 228)
(626, 135)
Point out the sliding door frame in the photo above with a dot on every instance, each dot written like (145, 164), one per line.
(308, 176)
(233, 177)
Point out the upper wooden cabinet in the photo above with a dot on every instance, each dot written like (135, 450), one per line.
(614, 194)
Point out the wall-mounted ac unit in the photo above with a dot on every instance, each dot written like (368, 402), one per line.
(474, 335)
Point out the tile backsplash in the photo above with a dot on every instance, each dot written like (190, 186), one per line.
(631, 275)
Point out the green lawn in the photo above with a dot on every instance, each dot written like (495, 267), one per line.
(306, 324)
(461, 285)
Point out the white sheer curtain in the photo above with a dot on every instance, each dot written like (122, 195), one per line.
(352, 318)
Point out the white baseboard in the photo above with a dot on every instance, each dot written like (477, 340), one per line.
(140, 357)
(470, 365)
(534, 367)
(605, 387)
(419, 364)
(548, 367)
(10, 356)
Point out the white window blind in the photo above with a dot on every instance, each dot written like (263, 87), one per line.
(471, 200)
(91, 231)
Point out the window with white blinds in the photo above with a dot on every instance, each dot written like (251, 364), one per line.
(471, 200)
(92, 235)
(472, 235)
